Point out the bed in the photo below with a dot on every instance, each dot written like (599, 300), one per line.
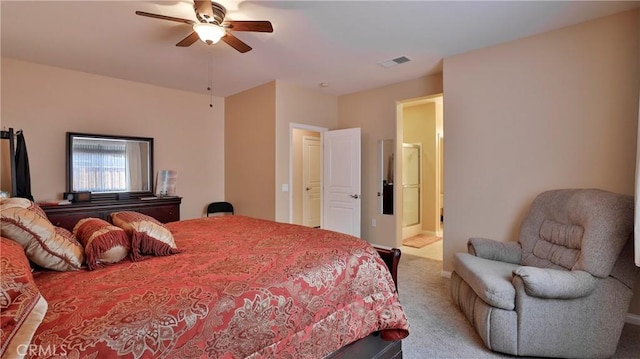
(239, 287)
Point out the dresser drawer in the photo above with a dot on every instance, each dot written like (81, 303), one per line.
(69, 220)
(164, 214)
(66, 216)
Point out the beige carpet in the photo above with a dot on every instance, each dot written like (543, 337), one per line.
(420, 241)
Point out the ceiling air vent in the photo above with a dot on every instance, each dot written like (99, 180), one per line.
(394, 62)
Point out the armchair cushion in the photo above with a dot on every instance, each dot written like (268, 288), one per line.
(576, 229)
(490, 280)
(509, 252)
(555, 283)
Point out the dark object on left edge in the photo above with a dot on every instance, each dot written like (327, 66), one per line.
(23, 177)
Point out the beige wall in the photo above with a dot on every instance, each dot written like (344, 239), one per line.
(262, 118)
(46, 102)
(551, 111)
(419, 126)
(296, 105)
(296, 172)
(375, 112)
(250, 151)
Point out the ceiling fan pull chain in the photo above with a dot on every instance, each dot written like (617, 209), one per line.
(210, 75)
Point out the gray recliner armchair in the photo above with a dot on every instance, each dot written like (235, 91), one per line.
(563, 289)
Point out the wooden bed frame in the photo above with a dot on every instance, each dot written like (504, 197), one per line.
(370, 347)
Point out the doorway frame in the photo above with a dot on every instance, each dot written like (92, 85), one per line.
(301, 126)
(397, 191)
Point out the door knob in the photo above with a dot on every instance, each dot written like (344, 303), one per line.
(354, 196)
(308, 188)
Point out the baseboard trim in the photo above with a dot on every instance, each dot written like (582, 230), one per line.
(445, 274)
(633, 319)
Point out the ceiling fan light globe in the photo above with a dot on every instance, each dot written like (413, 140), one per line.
(209, 33)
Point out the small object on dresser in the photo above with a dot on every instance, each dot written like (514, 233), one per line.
(166, 183)
(53, 202)
(74, 197)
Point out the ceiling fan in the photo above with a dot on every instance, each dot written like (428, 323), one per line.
(211, 26)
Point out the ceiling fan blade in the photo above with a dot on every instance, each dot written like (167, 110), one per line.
(243, 25)
(163, 17)
(189, 40)
(204, 8)
(236, 43)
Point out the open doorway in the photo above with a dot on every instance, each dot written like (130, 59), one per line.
(306, 175)
(421, 191)
(325, 178)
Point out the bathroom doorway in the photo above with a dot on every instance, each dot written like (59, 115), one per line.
(421, 214)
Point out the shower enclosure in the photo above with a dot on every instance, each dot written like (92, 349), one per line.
(411, 181)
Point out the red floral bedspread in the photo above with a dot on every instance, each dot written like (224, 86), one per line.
(243, 287)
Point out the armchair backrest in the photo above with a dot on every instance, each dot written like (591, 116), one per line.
(581, 229)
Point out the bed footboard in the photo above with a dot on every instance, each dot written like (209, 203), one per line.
(391, 258)
(372, 346)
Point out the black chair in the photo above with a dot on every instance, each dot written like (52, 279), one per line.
(219, 207)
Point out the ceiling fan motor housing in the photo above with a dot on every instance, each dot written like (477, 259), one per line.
(211, 26)
(218, 14)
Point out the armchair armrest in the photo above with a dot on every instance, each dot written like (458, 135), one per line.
(509, 252)
(555, 283)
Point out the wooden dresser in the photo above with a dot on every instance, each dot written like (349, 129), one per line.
(66, 216)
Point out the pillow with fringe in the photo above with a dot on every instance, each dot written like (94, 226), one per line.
(148, 235)
(46, 245)
(103, 242)
(22, 308)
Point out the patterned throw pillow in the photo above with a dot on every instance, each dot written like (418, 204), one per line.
(103, 242)
(148, 236)
(45, 244)
(22, 308)
(17, 202)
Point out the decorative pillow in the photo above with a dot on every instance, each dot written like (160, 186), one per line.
(17, 202)
(148, 236)
(45, 244)
(22, 308)
(103, 242)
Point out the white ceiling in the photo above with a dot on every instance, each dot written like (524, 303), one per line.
(337, 42)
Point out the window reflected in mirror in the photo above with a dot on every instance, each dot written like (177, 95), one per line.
(386, 158)
(106, 164)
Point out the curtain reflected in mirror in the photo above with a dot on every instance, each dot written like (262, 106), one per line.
(103, 164)
(386, 158)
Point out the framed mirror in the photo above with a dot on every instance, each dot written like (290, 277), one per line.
(106, 164)
(386, 158)
(8, 184)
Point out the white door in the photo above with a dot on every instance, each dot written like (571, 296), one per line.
(311, 176)
(341, 181)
